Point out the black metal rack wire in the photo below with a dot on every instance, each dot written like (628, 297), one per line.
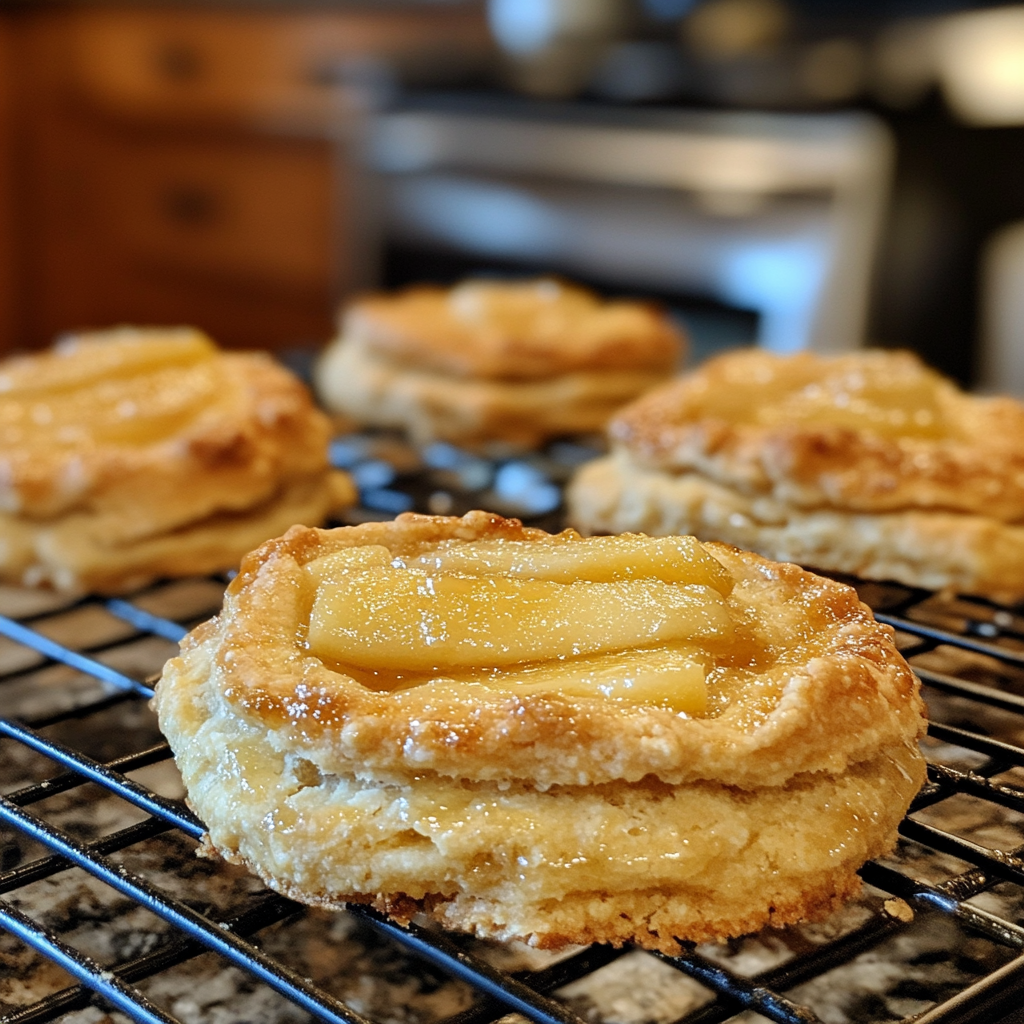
(76, 735)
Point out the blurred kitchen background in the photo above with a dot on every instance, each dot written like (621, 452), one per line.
(822, 173)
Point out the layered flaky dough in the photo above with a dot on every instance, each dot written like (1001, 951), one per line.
(868, 463)
(936, 550)
(489, 361)
(549, 816)
(132, 453)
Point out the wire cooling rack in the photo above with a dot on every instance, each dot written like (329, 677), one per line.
(107, 915)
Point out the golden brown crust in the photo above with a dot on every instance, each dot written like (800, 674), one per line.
(219, 435)
(664, 922)
(513, 331)
(973, 462)
(76, 553)
(549, 817)
(652, 919)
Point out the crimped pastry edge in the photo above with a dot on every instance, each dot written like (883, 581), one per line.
(937, 550)
(830, 466)
(835, 710)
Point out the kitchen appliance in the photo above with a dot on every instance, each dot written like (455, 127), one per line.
(778, 214)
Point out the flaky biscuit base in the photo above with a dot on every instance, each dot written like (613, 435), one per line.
(808, 466)
(575, 820)
(643, 862)
(112, 515)
(77, 554)
(970, 554)
(418, 329)
(381, 392)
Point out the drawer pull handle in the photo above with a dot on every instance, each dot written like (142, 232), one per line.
(179, 62)
(191, 205)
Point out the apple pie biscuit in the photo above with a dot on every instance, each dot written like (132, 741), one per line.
(544, 737)
(131, 454)
(869, 463)
(486, 361)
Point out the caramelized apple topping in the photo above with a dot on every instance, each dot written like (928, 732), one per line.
(564, 558)
(881, 396)
(669, 677)
(127, 388)
(80, 361)
(609, 617)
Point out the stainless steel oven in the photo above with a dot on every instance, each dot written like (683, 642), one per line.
(775, 214)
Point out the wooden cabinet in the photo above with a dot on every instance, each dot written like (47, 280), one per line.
(9, 261)
(190, 166)
(226, 210)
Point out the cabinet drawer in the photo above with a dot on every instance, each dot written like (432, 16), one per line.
(271, 67)
(257, 211)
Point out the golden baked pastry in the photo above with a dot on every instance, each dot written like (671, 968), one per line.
(550, 738)
(869, 463)
(488, 361)
(131, 454)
